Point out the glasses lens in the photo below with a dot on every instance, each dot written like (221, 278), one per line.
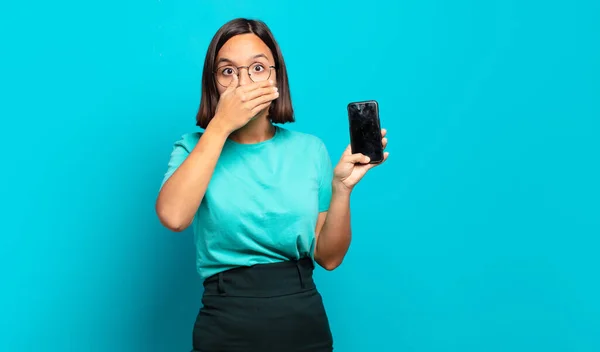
(259, 72)
(225, 74)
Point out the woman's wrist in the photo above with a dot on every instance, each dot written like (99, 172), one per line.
(218, 128)
(339, 189)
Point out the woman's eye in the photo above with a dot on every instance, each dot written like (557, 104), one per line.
(227, 71)
(259, 68)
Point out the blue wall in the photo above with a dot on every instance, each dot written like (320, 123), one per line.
(481, 233)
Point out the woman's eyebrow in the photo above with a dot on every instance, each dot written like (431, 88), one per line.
(260, 55)
(224, 59)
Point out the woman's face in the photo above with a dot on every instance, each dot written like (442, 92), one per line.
(247, 56)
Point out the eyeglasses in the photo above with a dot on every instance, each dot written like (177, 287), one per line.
(258, 72)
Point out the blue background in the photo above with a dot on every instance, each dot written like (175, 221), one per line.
(480, 233)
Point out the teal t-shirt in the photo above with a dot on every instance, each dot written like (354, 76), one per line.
(262, 202)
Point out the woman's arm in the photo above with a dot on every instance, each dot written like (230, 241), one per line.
(180, 196)
(333, 230)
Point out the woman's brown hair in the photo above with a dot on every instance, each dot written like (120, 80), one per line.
(281, 110)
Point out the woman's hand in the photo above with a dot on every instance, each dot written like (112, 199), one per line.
(239, 104)
(352, 167)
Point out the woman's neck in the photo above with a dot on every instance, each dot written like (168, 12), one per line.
(259, 129)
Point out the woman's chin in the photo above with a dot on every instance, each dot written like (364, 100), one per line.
(261, 114)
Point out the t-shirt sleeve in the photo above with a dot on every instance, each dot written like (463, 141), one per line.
(325, 178)
(181, 149)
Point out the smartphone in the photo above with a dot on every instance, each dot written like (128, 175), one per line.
(365, 130)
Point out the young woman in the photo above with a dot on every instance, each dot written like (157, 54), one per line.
(264, 201)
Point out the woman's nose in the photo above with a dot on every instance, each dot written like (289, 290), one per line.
(244, 77)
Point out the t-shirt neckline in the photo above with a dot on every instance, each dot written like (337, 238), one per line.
(258, 144)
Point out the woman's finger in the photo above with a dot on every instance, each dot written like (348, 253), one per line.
(256, 85)
(263, 99)
(385, 156)
(260, 107)
(357, 158)
(259, 93)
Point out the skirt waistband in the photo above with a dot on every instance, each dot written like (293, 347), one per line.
(263, 280)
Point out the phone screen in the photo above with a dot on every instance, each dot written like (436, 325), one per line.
(365, 130)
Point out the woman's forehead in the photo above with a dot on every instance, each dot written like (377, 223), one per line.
(243, 48)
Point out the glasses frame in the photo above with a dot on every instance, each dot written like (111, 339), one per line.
(239, 70)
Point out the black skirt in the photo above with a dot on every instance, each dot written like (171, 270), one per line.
(266, 307)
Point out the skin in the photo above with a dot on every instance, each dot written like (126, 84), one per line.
(242, 115)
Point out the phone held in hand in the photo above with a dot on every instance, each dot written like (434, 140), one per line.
(365, 129)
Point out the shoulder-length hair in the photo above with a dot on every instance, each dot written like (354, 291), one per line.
(281, 110)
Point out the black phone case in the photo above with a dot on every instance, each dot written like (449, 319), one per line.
(352, 143)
